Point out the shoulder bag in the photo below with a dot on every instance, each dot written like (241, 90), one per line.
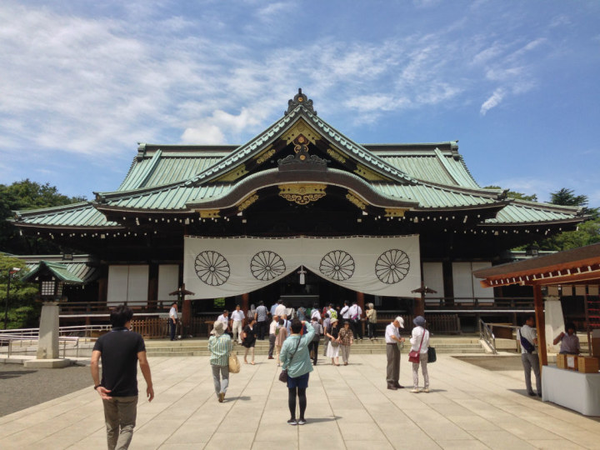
(283, 376)
(234, 363)
(415, 356)
(431, 355)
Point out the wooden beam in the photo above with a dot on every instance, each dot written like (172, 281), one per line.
(540, 320)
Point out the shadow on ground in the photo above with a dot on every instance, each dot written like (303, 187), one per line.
(495, 363)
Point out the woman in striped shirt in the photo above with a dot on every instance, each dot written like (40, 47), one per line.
(220, 345)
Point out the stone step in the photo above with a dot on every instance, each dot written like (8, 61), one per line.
(263, 348)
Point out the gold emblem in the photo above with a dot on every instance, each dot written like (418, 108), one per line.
(302, 194)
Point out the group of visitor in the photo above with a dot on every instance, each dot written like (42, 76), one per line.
(294, 341)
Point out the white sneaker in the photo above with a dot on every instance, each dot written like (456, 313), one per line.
(426, 390)
(415, 391)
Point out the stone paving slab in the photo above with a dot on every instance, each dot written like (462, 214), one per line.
(348, 408)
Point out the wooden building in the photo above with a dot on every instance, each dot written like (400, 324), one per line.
(297, 181)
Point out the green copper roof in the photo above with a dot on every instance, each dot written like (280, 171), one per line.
(58, 270)
(81, 214)
(523, 212)
(168, 178)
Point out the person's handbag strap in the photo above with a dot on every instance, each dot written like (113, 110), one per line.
(422, 337)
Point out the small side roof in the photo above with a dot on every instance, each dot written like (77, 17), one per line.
(58, 270)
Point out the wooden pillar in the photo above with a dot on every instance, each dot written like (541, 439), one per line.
(419, 306)
(360, 300)
(152, 287)
(103, 285)
(538, 304)
(245, 300)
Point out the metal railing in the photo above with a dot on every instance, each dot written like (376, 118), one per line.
(25, 340)
(486, 334)
(9, 342)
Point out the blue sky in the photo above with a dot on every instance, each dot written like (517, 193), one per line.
(516, 82)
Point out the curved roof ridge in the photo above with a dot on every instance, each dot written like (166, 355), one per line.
(356, 149)
(129, 172)
(50, 209)
(270, 172)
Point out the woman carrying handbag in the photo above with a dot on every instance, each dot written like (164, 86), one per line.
(220, 345)
(419, 342)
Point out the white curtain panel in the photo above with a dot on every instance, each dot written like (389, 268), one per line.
(225, 267)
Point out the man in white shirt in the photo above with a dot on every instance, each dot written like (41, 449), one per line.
(273, 335)
(173, 317)
(237, 322)
(529, 357)
(315, 313)
(345, 312)
(225, 319)
(392, 339)
(355, 313)
(280, 309)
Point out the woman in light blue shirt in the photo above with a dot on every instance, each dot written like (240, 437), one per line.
(295, 358)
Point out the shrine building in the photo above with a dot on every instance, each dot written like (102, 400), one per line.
(300, 212)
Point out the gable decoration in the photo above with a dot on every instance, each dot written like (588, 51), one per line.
(377, 265)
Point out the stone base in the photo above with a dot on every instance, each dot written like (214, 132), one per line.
(47, 363)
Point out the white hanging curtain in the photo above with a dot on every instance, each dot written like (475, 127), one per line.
(225, 267)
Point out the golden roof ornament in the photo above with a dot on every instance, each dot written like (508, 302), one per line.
(300, 99)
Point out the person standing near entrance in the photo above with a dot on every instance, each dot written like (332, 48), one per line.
(529, 356)
(371, 321)
(392, 350)
(224, 319)
(261, 320)
(280, 308)
(120, 350)
(249, 340)
(419, 342)
(346, 337)
(313, 347)
(173, 320)
(273, 335)
(345, 312)
(237, 321)
(355, 320)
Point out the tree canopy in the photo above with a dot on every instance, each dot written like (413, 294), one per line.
(24, 195)
(587, 233)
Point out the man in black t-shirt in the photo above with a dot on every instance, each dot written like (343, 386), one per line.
(120, 350)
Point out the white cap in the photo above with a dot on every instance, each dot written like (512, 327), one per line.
(400, 321)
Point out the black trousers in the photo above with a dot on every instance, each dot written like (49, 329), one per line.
(262, 329)
(356, 326)
(173, 326)
(314, 347)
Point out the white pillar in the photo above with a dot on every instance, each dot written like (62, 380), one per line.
(48, 341)
(555, 322)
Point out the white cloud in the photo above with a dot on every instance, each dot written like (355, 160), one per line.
(203, 133)
(95, 85)
(493, 101)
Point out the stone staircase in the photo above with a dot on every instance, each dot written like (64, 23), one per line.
(199, 347)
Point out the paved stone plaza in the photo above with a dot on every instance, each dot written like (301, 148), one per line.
(348, 408)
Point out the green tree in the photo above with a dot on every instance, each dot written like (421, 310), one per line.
(567, 197)
(24, 195)
(517, 195)
(587, 233)
(23, 310)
